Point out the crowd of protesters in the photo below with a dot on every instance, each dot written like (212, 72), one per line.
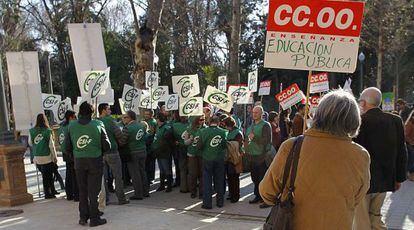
(338, 179)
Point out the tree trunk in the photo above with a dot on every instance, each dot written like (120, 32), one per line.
(146, 41)
(234, 65)
(181, 44)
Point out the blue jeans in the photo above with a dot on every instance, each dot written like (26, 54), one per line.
(213, 171)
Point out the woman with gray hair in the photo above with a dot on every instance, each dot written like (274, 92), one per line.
(333, 171)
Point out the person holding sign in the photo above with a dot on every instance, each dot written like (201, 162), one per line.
(195, 172)
(162, 147)
(259, 139)
(112, 159)
(44, 152)
(179, 128)
(71, 185)
(87, 139)
(133, 136)
(212, 144)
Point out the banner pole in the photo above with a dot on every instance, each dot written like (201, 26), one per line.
(307, 101)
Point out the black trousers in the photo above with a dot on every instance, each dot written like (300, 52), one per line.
(47, 178)
(176, 158)
(233, 182)
(150, 166)
(259, 169)
(71, 186)
(89, 172)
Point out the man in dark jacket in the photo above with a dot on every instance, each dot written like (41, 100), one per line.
(382, 134)
(87, 140)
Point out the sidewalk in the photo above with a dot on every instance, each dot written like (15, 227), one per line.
(176, 210)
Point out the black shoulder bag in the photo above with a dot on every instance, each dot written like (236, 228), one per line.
(281, 215)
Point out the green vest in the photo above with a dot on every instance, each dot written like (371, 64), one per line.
(233, 134)
(86, 139)
(192, 148)
(179, 128)
(109, 127)
(159, 141)
(237, 120)
(152, 123)
(63, 130)
(254, 148)
(137, 134)
(214, 143)
(40, 138)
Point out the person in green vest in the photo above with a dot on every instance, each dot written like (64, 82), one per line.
(162, 147)
(233, 176)
(87, 140)
(259, 139)
(44, 152)
(134, 135)
(179, 128)
(150, 161)
(195, 173)
(212, 144)
(112, 158)
(235, 117)
(71, 185)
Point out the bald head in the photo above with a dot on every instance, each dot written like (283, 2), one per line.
(370, 98)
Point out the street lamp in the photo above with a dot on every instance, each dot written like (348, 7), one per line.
(361, 58)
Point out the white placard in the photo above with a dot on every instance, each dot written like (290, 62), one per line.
(290, 96)
(264, 88)
(146, 102)
(128, 106)
(159, 93)
(151, 79)
(60, 110)
(240, 94)
(108, 97)
(218, 98)
(186, 86)
(191, 107)
(24, 79)
(98, 84)
(50, 100)
(172, 102)
(88, 76)
(319, 83)
(222, 83)
(252, 81)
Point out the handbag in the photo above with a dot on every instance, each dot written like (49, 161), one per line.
(281, 215)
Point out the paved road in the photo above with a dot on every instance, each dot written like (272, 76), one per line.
(177, 211)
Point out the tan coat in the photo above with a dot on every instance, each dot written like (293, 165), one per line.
(332, 178)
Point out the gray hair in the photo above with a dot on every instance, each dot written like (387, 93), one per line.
(260, 108)
(372, 96)
(338, 114)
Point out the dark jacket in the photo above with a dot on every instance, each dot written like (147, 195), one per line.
(382, 134)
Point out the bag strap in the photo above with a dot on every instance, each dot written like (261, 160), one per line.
(297, 148)
(288, 166)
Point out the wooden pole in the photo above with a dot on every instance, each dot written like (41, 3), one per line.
(307, 101)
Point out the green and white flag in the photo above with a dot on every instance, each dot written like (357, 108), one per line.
(186, 86)
(172, 102)
(218, 98)
(50, 100)
(191, 107)
(151, 79)
(240, 94)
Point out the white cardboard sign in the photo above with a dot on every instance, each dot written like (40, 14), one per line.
(222, 83)
(252, 81)
(151, 79)
(24, 78)
(218, 98)
(159, 93)
(50, 100)
(60, 110)
(88, 76)
(290, 96)
(146, 102)
(240, 94)
(191, 107)
(97, 85)
(186, 86)
(171, 103)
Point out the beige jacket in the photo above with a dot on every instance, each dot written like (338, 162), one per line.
(332, 178)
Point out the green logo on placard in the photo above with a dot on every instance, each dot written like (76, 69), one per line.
(131, 95)
(240, 92)
(97, 88)
(190, 106)
(62, 110)
(88, 79)
(171, 102)
(218, 98)
(158, 93)
(186, 86)
(49, 102)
